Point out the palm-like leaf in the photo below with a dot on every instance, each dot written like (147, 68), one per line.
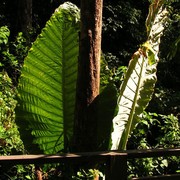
(48, 82)
(140, 78)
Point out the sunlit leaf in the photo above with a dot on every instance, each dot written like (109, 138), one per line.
(48, 82)
(138, 86)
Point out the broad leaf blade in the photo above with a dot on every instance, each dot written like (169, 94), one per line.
(106, 110)
(48, 83)
(139, 82)
(135, 94)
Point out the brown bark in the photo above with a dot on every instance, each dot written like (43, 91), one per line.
(88, 74)
(38, 173)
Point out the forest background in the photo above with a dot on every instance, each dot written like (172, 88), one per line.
(122, 32)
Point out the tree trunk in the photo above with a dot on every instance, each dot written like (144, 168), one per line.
(88, 75)
(38, 172)
(24, 16)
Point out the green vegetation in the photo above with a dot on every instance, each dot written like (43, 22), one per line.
(159, 125)
(46, 91)
(47, 87)
(10, 141)
(12, 53)
(155, 131)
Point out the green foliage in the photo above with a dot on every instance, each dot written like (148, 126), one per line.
(10, 142)
(123, 29)
(18, 172)
(9, 135)
(48, 82)
(169, 127)
(110, 74)
(12, 53)
(90, 174)
(4, 34)
(155, 131)
(165, 101)
(147, 167)
(168, 74)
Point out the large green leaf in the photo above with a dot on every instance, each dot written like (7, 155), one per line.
(106, 103)
(47, 85)
(140, 78)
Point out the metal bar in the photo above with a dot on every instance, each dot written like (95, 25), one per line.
(88, 156)
(61, 158)
(153, 153)
(116, 161)
(164, 177)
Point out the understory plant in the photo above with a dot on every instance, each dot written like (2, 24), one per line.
(9, 136)
(12, 53)
(10, 141)
(47, 87)
(139, 80)
(155, 131)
